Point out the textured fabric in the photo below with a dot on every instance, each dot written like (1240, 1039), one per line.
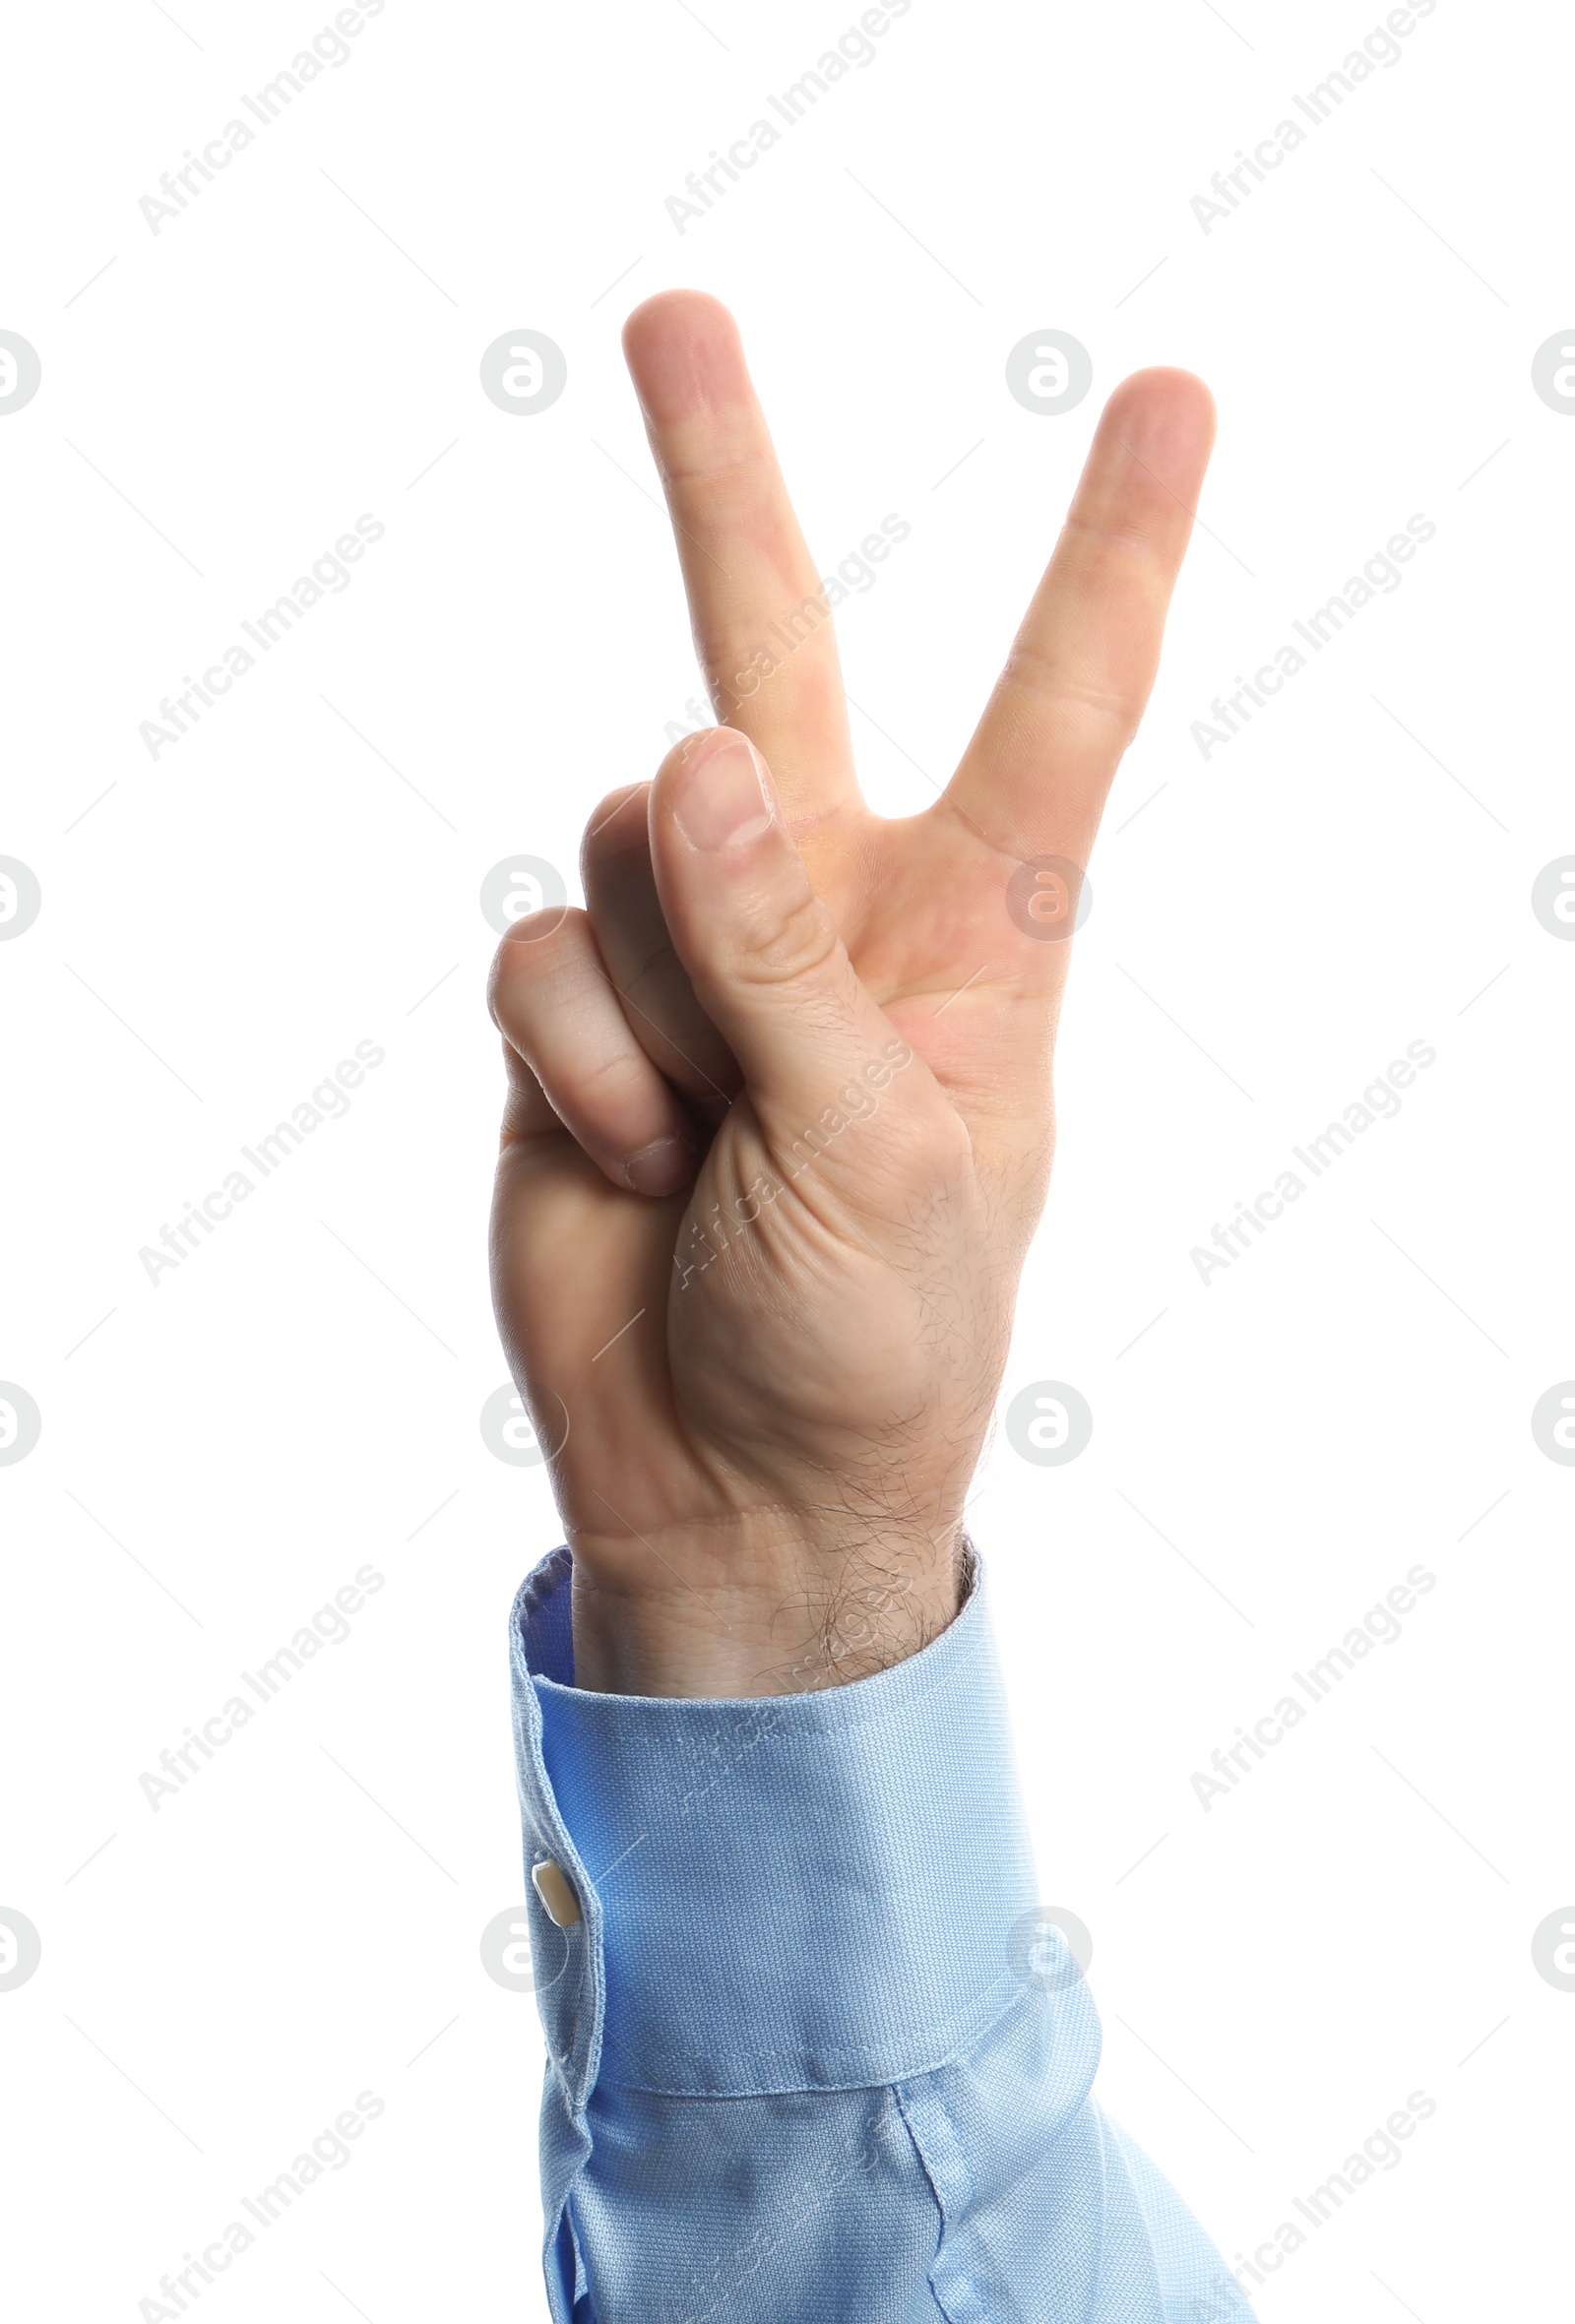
(812, 2056)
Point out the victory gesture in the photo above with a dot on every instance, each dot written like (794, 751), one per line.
(778, 1120)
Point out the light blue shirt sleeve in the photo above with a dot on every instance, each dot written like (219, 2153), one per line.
(812, 2056)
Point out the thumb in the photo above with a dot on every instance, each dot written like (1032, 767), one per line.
(762, 950)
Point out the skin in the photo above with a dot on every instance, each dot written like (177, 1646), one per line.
(764, 1362)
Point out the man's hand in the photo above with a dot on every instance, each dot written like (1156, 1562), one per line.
(779, 1119)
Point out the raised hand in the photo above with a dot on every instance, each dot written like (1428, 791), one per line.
(778, 1120)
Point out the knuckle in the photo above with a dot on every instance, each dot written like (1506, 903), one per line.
(542, 929)
(787, 940)
(615, 1079)
(534, 952)
(1050, 678)
(617, 827)
(1112, 540)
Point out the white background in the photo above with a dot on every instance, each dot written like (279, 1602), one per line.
(300, 1396)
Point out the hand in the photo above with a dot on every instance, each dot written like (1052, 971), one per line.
(779, 1117)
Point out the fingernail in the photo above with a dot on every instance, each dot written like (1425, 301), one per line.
(725, 798)
(660, 1168)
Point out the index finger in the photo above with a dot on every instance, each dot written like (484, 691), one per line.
(762, 627)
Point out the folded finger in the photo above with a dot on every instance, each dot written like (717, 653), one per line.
(554, 1003)
(652, 983)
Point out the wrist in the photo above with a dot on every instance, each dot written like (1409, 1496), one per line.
(783, 1612)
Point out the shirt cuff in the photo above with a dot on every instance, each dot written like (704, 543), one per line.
(796, 1892)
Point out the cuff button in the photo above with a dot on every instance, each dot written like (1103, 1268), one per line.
(558, 1900)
